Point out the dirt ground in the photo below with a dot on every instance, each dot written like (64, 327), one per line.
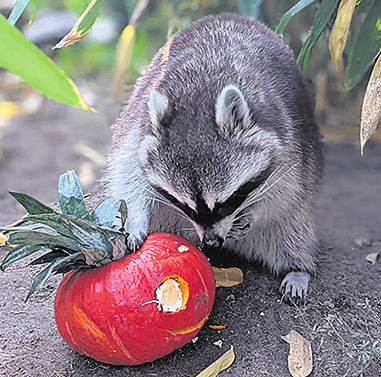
(342, 317)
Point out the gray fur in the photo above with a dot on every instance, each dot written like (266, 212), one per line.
(157, 106)
(222, 103)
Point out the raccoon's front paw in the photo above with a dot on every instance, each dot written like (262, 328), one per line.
(294, 287)
(135, 240)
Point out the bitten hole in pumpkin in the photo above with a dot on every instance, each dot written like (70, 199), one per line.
(172, 294)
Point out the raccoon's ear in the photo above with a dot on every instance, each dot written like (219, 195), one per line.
(157, 106)
(232, 109)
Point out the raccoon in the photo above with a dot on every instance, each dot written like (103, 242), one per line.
(218, 143)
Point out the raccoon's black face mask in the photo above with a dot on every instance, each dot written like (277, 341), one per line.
(207, 218)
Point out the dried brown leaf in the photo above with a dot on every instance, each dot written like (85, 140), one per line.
(219, 365)
(119, 249)
(371, 107)
(339, 34)
(227, 277)
(373, 257)
(83, 26)
(95, 257)
(300, 356)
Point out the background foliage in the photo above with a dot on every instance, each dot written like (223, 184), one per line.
(351, 29)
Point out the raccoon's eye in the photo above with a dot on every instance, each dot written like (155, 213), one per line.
(184, 207)
(224, 210)
(239, 196)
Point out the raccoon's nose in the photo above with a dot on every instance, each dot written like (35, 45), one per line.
(212, 240)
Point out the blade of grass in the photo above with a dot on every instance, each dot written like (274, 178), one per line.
(291, 13)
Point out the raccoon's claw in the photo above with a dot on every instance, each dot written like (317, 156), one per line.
(294, 287)
(135, 241)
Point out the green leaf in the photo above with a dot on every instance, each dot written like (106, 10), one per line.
(18, 253)
(31, 205)
(322, 16)
(367, 47)
(49, 257)
(80, 230)
(106, 212)
(17, 11)
(54, 221)
(24, 59)
(78, 261)
(83, 26)
(24, 228)
(41, 278)
(70, 196)
(39, 239)
(291, 13)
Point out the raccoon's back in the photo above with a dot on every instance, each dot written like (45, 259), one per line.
(194, 66)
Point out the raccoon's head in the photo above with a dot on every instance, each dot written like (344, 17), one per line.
(208, 160)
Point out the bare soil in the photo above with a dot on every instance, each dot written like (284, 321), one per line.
(342, 317)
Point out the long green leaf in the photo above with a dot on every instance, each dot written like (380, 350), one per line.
(70, 196)
(367, 47)
(17, 11)
(24, 59)
(39, 238)
(49, 257)
(291, 13)
(41, 278)
(80, 230)
(31, 205)
(54, 221)
(322, 16)
(18, 253)
(24, 228)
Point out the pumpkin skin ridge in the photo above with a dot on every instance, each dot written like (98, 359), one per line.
(189, 329)
(122, 347)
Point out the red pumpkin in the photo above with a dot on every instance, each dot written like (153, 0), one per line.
(139, 308)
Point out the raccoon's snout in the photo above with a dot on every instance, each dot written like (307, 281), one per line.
(212, 240)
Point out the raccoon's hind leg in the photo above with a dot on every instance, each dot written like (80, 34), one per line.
(286, 246)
